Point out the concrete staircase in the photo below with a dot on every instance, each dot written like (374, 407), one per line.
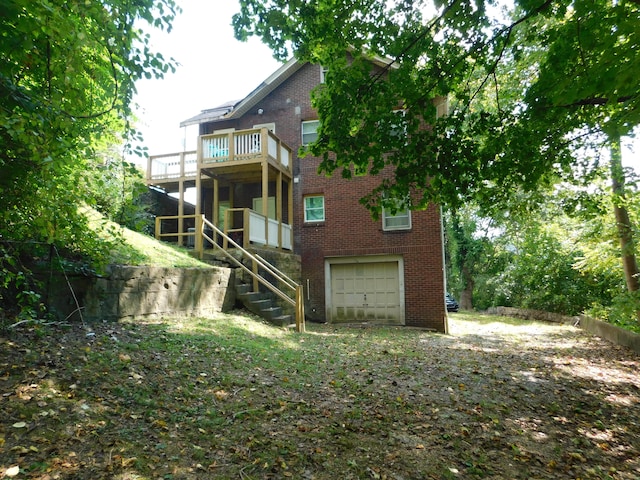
(262, 304)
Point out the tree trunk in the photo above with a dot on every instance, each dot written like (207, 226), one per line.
(466, 296)
(623, 223)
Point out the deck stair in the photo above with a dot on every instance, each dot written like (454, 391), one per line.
(263, 305)
(261, 275)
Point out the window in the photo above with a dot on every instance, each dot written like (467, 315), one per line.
(310, 131)
(400, 220)
(399, 127)
(271, 206)
(323, 74)
(314, 208)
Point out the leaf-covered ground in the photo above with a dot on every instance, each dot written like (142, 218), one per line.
(231, 397)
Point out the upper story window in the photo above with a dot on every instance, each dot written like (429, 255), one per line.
(323, 74)
(400, 220)
(399, 127)
(310, 131)
(314, 208)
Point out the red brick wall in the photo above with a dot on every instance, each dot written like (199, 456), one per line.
(348, 229)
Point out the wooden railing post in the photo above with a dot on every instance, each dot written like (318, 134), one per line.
(299, 310)
(198, 243)
(227, 226)
(246, 228)
(254, 269)
(158, 224)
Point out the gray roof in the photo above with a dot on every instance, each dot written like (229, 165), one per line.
(238, 108)
(210, 114)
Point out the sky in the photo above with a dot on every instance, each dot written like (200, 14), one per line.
(214, 68)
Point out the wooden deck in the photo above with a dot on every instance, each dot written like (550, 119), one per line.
(238, 155)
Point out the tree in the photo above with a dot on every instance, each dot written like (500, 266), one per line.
(67, 78)
(528, 87)
(468, 248)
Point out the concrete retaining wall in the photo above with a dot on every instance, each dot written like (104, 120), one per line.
(609, 332)
(138, 292)
(612, 333)
(530, 314)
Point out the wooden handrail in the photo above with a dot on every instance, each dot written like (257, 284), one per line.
(257, 261)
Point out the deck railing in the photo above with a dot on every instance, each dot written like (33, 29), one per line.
(253, 145)
(255, 228)
(241, 145)
(172, 166)
(247, 227)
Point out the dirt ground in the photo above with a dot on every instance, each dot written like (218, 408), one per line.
(231, 397)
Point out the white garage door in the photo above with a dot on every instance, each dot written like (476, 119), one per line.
(366, 292)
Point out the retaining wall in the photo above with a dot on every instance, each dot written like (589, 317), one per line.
(612, 333)
(137, 292)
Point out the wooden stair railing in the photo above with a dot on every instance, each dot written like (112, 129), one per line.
(257, 262)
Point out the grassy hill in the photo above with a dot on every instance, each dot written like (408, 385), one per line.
(133, 248)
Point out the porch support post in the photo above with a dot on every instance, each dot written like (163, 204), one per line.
(216, 207)
(197, 241)
(181, 209)
(279, 207)
(198, 244)
(265, 197)
(290, 216)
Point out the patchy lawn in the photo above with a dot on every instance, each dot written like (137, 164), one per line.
(231, 397)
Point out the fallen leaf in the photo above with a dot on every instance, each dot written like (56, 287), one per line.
(19, 425)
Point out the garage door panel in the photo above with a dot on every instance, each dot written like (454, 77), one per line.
(365, 292)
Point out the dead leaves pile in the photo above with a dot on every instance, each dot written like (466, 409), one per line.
(212, 398)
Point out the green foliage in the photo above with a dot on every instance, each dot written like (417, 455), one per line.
(531, 88)
(521, 84)
(67, 78)
(116, 189)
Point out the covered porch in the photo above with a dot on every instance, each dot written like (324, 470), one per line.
(243, 181)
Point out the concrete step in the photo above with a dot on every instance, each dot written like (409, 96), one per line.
(283, 321)
(271, 313)
(258, 306)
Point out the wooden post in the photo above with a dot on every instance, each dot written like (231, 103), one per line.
(254, 269)
(279, 206)
(265, 197)
(198, 211)
(290, 216)
(158, 226)
(216, 208)
(198, 244)
(299, 310)
(232, 146)
(227, 220)
(246, 228)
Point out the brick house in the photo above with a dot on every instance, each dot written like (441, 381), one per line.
(353, 269)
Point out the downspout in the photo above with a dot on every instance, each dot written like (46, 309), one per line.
(444, 275)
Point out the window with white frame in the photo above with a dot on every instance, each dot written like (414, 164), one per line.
(396, 219)
(314, 208)
(323, 74)
(310, 131)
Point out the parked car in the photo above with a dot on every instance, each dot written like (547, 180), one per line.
(452, 304)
